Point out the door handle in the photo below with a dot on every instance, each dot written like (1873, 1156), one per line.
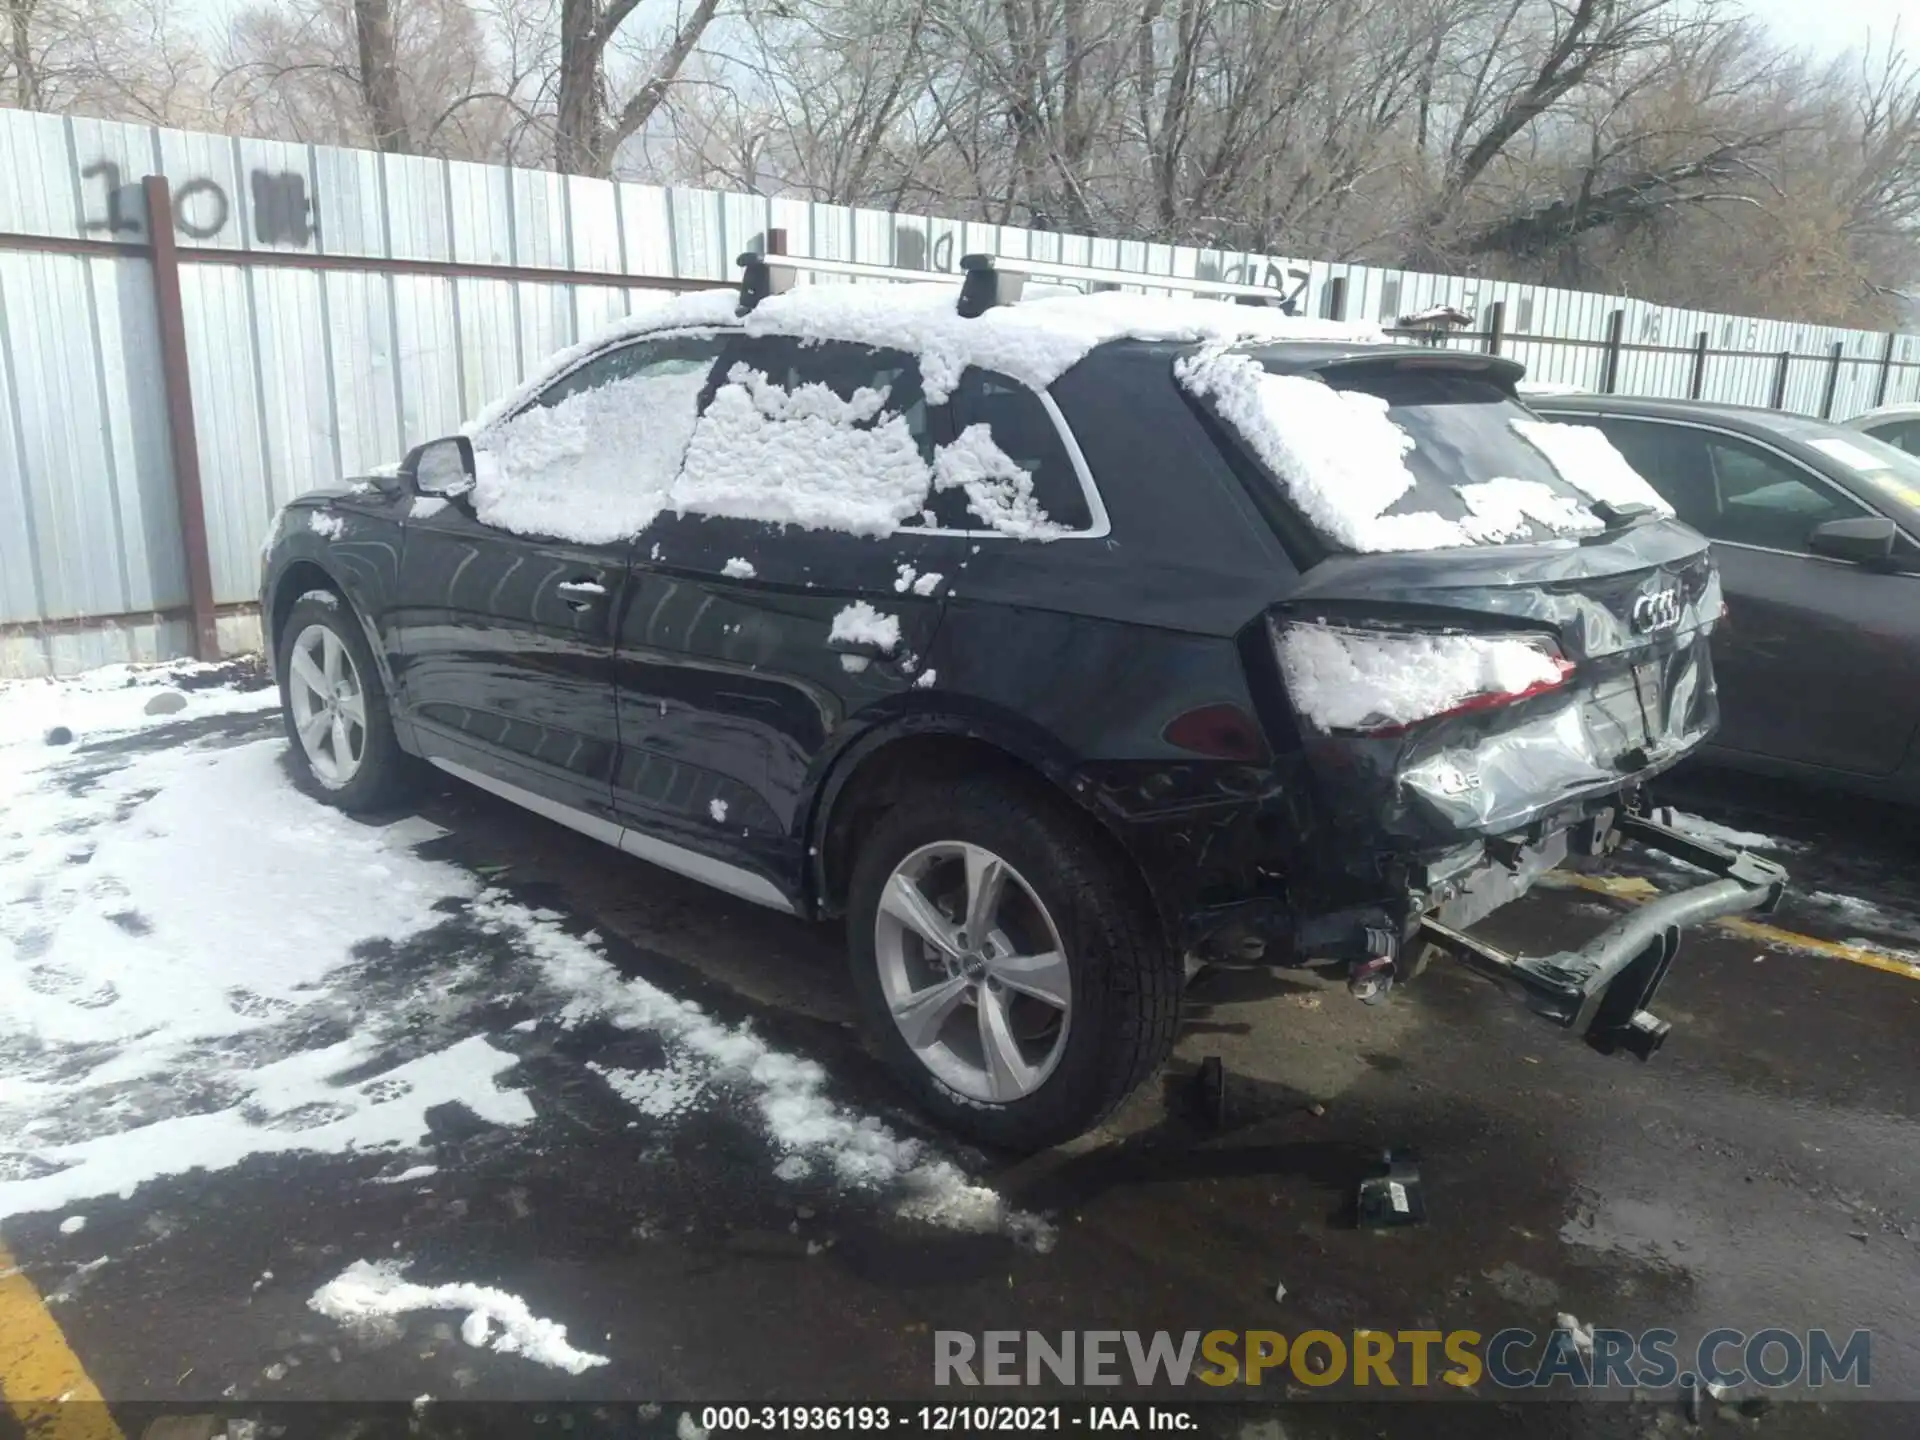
(581, 594)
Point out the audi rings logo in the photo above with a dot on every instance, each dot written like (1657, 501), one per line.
(1657, 610)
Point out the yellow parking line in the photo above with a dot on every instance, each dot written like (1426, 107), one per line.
(1634, 889)
(38, 1369)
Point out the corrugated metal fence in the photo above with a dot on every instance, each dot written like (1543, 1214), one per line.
(337, 307)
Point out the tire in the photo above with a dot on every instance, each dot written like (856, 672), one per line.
(379, 773)
(1063, 880)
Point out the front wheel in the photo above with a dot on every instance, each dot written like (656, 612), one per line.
(1007, 963)
(336, 708)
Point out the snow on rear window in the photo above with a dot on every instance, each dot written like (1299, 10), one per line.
(596, 467)
(998, 488)
(1342, 461)
(804, 456)
(1363, 680)
(1586, 459)
(1507, 509)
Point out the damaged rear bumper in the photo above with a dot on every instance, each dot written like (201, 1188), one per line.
(1602, 991)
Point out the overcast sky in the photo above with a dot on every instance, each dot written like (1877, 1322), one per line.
(1830, 26)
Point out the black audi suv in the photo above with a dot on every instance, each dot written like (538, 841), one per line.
(1051, 641)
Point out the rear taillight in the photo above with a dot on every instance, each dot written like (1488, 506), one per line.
(1380, 681)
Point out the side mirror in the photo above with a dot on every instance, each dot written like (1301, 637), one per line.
(1867, 541)
(441, 467)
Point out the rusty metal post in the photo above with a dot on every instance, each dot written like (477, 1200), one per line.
(1833, 380)
(1780, 381)
(776, 242)
(1336, 301)
(181, 434)
(1616, 335)
(1496, 327)
(1698, 386)
(1886, 370)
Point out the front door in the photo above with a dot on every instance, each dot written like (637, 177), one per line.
(510, 597)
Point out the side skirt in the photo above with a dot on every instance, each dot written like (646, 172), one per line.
(692, 864)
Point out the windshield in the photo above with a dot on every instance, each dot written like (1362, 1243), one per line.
(1398, 455)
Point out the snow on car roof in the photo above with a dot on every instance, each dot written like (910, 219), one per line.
(1036, 341)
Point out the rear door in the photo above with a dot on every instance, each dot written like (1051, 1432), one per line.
(760, 620)
(1815, 662)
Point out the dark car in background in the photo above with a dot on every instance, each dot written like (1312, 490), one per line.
(1046, 643)
(1816, 530)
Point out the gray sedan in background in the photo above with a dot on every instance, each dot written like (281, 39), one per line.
(1816, 529)
(1898, 425)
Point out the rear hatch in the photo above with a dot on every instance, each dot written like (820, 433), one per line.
(1499, 626)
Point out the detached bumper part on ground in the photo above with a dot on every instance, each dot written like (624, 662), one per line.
(1602, 990)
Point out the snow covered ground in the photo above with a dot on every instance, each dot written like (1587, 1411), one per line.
(198, 967)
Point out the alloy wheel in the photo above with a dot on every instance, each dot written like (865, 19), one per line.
(329, 705)
(973, 971)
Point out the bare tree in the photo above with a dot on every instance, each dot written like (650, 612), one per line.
(591, 122)
(398, 75)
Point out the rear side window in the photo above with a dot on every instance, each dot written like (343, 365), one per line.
(832, 436)
(1901, 434)
(1025, 432)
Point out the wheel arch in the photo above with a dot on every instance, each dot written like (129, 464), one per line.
(305, 573)
(874, 768)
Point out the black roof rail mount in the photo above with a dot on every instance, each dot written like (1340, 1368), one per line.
(761, 276)
(985, 285)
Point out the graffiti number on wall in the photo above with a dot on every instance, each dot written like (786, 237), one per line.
(117, 221)
(282, 213)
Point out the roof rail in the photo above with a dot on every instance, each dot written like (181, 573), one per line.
(763, 275)
(996, 280)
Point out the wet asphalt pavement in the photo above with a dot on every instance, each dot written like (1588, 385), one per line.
(1760, 1171)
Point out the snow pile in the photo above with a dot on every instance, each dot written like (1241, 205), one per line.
(1342, 461)
(861, 624)
(997, 487)
(718, 810)
(1587, 460)
(595, 468)
(789, 1093)
(1364, 680)
(1508, 509)
(326, 526)
(425, 507)
(108, 701)
(1703, 829)
(1036, 341)
(802, 457)
(237, 971)
(371, 1294)
(738, 569)
(662, 1094)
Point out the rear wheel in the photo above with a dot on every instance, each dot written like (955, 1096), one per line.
(335, 708)
(1006, 962)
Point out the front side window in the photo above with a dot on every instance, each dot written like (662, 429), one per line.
(595, 457)
(1767, 500)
